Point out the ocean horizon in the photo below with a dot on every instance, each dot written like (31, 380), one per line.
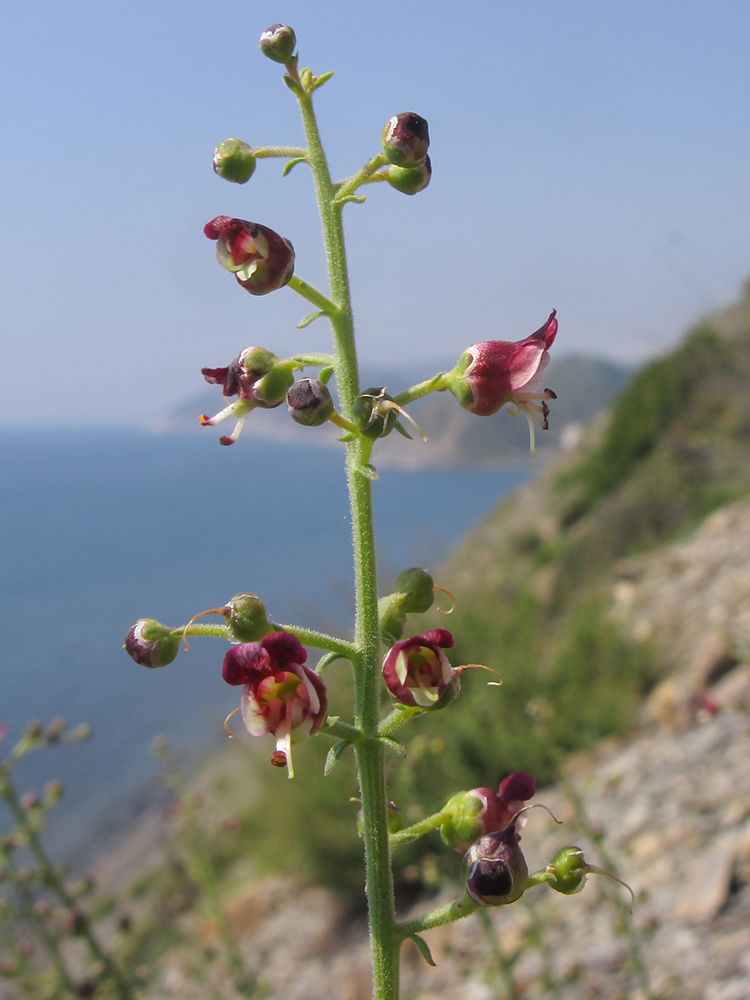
(100, 528)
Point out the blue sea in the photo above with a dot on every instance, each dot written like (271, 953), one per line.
(99, 529)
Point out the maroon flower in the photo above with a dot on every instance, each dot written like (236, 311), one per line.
(280, 695)
(260, 259)
(257, 377)
(473, 814)
(417, 671)
(495, 373)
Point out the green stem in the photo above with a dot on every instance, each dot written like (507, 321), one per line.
(309, 637)
(369, 751)
(309, 292)
(340, 730)
(447, 914)
(435, 384)
(218, 631)
(417, 830)
(348, 187)
(315, 360)
(291, 152)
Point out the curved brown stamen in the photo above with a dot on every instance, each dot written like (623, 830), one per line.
(229, 731)
(538, 805)
(453, 601)
(594, 870)
(479, 666)
(214, 611)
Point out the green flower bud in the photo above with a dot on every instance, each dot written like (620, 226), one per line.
(417, 587)
(278, 42)
(151, 644)
(246, 618)
(392, 623)
(567, 871)
(234, 161)
(374, 412)
(410, 180)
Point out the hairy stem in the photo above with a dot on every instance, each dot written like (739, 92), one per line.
(369, 750)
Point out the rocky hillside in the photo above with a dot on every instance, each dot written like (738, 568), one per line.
(613, 595)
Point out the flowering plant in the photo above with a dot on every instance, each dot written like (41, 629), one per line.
(282, 695)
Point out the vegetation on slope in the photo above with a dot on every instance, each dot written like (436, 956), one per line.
(532, 585)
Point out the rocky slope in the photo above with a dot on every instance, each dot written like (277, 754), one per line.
(646, 523)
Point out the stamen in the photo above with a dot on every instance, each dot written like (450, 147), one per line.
(453, 601)
(201, 614)
(532, 434)
(221, 415)
(284, 746)
(538, 805)
(231, 438)
(600, 871)
(389, 404)
(229, 731)
(480, 666)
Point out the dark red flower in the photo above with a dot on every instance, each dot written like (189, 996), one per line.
(260, 259)
(417, 671)
(280, 695)
(494, 373)
(472, 814)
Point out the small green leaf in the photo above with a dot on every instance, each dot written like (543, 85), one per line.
(358, 199)
(318, 81)
(333, 755)
(394, 744)
(325, 374)
(293, 163)
(368, 471)
(423, 949)
(293, 86)
(310, 318)
(325, 660)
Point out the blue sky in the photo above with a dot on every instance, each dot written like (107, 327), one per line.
(587, 156)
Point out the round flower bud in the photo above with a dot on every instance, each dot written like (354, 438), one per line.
(494, 868)
(234, 161)
(309, 402)
(567, 871)
(405, 140)
(246, 618)
(417, 587)
(151, 644)
(410, 180)
(372, 413)
(278, 42)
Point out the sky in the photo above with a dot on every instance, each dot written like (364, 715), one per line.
(590, 157)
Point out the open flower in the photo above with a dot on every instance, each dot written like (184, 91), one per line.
(280, 695)
(260, 259)
(258, 378)
(417, 671)
(472, 814)
(495, 373)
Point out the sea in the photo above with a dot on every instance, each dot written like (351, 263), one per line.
(99, 528)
